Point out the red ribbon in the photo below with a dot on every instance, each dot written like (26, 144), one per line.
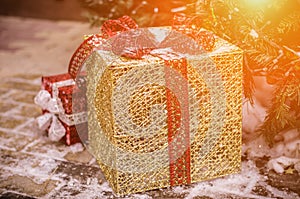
(178, 114)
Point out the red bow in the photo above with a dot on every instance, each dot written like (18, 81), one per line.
(108, 29)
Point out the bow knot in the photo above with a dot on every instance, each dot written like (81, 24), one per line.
(51, 118)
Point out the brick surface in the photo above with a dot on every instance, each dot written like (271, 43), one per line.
(27, 111)
(81, 157)
(11, 195)
(31, 128)
(3, 91)
(6, 107)
(26, 185)
(31, 166)
(9, 140)
(23, 97)
(10, 122)
(45, 147)
(19, 86)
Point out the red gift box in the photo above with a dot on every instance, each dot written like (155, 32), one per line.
(64, 106)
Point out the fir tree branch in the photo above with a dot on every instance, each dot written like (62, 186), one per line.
(280, 116)
(289, 23)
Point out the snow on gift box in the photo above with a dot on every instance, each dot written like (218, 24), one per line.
(161, 112)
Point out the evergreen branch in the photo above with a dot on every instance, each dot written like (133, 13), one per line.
(279, 115)
(260, 60)
(289, 23)
(248, 83)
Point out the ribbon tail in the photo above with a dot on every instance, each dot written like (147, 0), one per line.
(44, 121)
(56, 130)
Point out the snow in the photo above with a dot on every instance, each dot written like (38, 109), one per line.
(289, 144)
(281, 163)
(254, 34)
(92, 190)
(75, 148)
(240, 185)
(38, 169)
(256, 148)
(252, 118)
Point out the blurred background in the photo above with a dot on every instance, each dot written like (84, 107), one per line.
(152, 12)
(49, 9)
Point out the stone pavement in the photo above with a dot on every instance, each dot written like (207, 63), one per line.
(31, 166)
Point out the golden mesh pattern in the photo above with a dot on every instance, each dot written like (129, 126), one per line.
(128, 131)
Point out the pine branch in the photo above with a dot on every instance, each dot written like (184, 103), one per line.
(280, 115)
(259, 60)
(289, 23)
(248, 81)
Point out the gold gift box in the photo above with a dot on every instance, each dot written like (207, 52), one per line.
(128, 119)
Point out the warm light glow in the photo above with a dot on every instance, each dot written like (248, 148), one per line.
(255, 3)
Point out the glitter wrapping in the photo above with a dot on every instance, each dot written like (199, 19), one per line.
(130, 119)
(65, 95)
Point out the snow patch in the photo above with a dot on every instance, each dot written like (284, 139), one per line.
(240, 185)
(140, 196)
(39, 170)
(92, 190)
(75, 148)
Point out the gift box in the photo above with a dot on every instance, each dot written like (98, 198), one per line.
(163, 112)
(64, 109)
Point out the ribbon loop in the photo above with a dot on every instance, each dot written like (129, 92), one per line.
(53, 106)
(46, 102)
(188, 25)
(112, 27)
(138, 43)
(42, 99)
(97, 41)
